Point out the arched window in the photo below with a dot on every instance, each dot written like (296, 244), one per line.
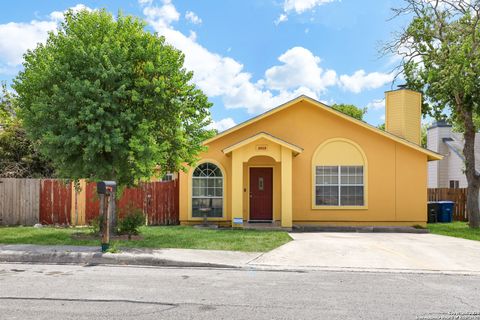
(207, 191)
(339, 175)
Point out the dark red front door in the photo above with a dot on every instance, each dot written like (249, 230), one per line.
(261, 188)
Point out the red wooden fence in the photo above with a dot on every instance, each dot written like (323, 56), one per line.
(92, 205)
(52, 201)
(55, 202)
(157, 200)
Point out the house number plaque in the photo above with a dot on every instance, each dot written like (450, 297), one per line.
(261, 147)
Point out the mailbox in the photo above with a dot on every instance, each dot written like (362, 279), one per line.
(106, 186)
(106, 193)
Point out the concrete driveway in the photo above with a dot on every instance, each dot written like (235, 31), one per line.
(376, 251)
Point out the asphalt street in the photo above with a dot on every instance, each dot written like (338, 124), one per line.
(107, 292)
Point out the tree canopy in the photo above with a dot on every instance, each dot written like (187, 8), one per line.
(105, 99)
(440, 51)
(7, 109)
(351, 110)
(18, 155)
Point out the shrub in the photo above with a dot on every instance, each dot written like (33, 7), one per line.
(96, 225)
(113, 247)
(131, 222)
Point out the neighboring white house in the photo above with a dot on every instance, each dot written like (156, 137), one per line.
(449, 172)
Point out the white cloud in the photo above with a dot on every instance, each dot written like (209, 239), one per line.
(256, 100)
(222, 125)
(160, 17)
(58, 15)
(299, 71)
(300, 6)
(281, 18)
(18, 37)
(360, 80)
(192, 17)
(222, 76)
(376, 104)
(300, 68)
(193, 35)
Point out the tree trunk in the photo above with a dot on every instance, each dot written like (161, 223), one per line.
(473, 178)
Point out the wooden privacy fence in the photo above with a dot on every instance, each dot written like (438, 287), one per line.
(19, 201)
(459, 196)
(53, 201)
(157, 200)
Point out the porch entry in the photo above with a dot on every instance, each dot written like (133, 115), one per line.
(261, 194)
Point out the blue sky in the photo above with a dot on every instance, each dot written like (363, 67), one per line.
(247, 56)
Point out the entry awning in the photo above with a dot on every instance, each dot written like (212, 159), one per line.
(296, 150)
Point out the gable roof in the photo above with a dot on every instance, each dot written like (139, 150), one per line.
(430, 154)
(295, 149)
(457, 147)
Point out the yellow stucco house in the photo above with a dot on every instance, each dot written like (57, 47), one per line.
(303, 163)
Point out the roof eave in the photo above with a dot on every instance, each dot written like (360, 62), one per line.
(431, 156)
(295, 149)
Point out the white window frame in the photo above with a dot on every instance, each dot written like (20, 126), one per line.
(339, 185)
(222, 177)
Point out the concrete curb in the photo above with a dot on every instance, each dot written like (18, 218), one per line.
(98, 258)
(126, 259)
(366, 229)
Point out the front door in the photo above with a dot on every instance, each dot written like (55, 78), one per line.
(261, 193)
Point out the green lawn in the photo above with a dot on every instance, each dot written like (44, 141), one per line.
(455, 229)
(154, 237)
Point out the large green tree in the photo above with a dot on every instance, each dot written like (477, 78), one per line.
(7, 109)
(440, 51)
(106, 99)
(19, 157)
(351, 110)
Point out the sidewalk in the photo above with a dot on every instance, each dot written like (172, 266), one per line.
(27, 253)
(366, 252)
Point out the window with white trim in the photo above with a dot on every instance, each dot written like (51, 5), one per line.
(207, 191)
(339, 186)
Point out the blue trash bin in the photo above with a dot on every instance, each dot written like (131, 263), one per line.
(445, 211)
